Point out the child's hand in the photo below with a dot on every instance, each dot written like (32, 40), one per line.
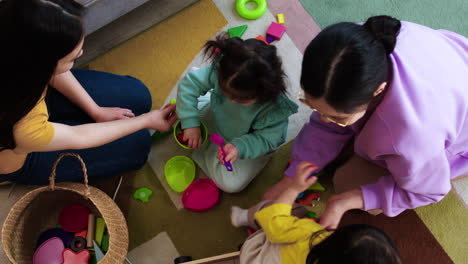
(302, 181)
(193, 137)
(231, 153)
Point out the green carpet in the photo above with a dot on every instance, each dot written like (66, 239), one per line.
(450, 15)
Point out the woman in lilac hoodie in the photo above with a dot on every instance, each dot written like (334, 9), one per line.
(399, 91)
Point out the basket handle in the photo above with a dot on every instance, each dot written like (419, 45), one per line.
(83, 168)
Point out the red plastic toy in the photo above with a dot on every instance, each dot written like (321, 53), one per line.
(201, 195)
(180, 137)
(74, 218)
(82, 233)
(81, 257)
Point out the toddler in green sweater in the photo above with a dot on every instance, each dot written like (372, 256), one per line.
(248, 107)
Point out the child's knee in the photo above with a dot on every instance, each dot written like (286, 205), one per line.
(231, 188)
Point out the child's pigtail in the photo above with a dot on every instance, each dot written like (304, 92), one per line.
(214, 48)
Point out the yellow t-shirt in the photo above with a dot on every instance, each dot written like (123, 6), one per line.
(31, 133)
(293, 233)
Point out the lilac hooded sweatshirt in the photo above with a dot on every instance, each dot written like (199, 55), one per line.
(418, 132)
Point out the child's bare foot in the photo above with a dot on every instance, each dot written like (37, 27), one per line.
(278, 188)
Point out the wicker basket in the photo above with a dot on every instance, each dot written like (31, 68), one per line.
(39, 209)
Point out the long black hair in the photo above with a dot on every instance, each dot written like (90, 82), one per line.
(355, 244)
(36, 34)
(347, 62)
(247, 69)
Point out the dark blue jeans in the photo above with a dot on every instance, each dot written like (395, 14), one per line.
(127, 153)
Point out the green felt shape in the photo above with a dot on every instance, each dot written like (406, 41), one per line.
(237, 31)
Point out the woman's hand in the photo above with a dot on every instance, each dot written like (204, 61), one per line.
(104, 114)
(193, 137)
(231, 153)
(339, 204)
(161, 120)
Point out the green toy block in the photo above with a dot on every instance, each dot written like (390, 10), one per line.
(92, 258)
(237, 31)
(311, 214)
(100, 226)
(105, 243)
(316, 187)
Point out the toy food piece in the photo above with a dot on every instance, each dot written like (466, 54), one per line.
(49, 252)
(250, 231)
(98, 252)
(201, 195)
(312, 196)
(300, 195)
(276, 30)
(90, 234)
(248, 13)
(105, 243)
(74, 218)
(237, 31)
(82, 233)
(311, 214)
(179, 172)
(143, 194)
(71, 257)
(65, 236)
(92, 258)
(100, 226)
(78, 244)
(180, 137)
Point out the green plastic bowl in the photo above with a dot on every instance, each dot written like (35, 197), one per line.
(180, 172)
(178, 130)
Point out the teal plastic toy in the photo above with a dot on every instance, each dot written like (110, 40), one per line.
(251, 14)
(98, 252)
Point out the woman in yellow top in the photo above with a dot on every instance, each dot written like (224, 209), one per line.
(46, 108)
(284, 238)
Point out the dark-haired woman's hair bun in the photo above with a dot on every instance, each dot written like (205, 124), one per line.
(385, 29)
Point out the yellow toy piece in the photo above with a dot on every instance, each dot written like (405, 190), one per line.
(280, 18)
(100, 226)
(317, 187)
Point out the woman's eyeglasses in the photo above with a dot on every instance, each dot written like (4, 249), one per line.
(300, 97)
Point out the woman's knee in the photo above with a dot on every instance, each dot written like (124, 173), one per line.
(141, 101)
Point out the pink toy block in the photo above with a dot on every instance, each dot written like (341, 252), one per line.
(276, 30)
